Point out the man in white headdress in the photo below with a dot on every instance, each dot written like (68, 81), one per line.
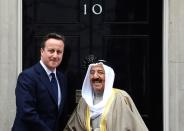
(102, 107)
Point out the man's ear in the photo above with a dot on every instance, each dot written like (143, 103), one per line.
(41, 50)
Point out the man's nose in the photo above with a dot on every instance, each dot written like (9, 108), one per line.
(55, 54)
(96, 75)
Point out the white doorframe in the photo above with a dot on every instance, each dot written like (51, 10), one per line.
(165, 65)
(19, 35)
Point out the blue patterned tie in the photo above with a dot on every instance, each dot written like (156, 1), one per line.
(54, 84)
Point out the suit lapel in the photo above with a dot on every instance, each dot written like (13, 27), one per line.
(46, 81)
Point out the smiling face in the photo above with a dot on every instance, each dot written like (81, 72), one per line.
(97, 78)
(52, 53)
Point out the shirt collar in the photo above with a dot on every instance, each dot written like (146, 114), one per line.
(46, 69)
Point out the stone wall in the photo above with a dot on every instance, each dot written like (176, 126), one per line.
(9, 60)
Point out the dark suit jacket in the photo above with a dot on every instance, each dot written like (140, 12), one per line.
(37, 108)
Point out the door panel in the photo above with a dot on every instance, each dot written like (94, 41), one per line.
(120, 31)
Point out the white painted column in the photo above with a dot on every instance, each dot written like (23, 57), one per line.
(176, 65)
(10, 59)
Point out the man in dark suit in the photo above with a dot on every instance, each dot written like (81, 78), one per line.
(40, 96)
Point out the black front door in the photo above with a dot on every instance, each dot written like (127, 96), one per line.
(127, 33)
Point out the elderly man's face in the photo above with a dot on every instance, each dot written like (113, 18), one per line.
(97, 78)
